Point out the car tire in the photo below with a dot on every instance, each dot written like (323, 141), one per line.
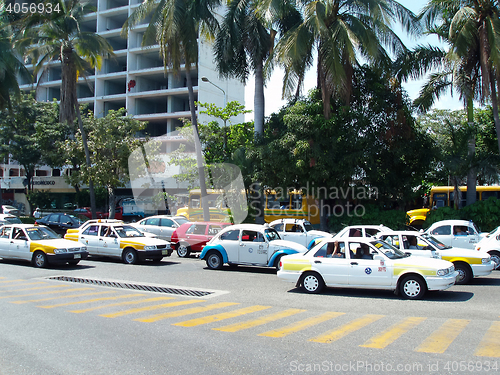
(40, 259)
(214, 260)
(277, 262)
(412, 287)
(73, 262)
(464, 273)
(129, 256)
(312, 283)
(495, 257)
(183, 250)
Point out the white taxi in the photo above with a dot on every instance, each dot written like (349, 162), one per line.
(115, 239)
(468, 263)
(366, 263)
(248, 244)
(456, 233)
(491, 245)
(297, 230)
(39, 245)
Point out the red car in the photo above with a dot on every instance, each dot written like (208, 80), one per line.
(85, 211)
(191, 237)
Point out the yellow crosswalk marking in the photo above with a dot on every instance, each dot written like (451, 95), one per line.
(144, 300)
(393, 333)
(45, 293)
(194, 310)
(149, 308)
(303, 324)
(60, 297)
(23, 284)
(439, 341)
(10, 281)
(490, 344)
(259, 321)
(338, 333)
(90, 300)
(221, 316)
(41, 287)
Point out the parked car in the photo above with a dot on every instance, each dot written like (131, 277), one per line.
(361, 231)
(468, 263)
(249, 244)
(113, 238)
(60, 222)
(161, 225)
(190, 237)
(490, 244)
(11, 210)
(86, 211)
(39, 245)
(297, 230)
(366, 263)
(9, 219)
(455, 233)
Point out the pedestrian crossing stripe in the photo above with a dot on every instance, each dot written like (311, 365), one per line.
(90, 300)
(24, 284)
(222, 316)
(45, 293)
(393, 333)
(149, 308)
(41, 287)
(303, 324)
(490, 344)
(59, 297)
(259, 321)
(144, 300)
(439, 341)
(193, 310)
(338, 333)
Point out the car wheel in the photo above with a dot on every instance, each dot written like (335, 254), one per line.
(413, 287)
(129, 256)
(183, 250)
(464, 273)
(312, 283)
(277, 262)
(214, 260)
(73, 262)
(495, 257)
(40, 259)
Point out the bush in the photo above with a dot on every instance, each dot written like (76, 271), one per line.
(374, 215)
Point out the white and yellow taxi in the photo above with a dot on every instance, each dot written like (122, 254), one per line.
(468, 263)
(38, 244)
(113, 238)
(366, 263)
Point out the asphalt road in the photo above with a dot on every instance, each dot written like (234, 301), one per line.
(241, 320)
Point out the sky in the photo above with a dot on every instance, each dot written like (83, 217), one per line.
(272, 92)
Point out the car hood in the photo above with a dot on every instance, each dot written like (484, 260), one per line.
(284, 244)
(461, 252)
(59, 243)
(319, 233)
(420, 262)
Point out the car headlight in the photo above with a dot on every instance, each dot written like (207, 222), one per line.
(60, 251)
(150, 247)
(486, 260)
(443, 272)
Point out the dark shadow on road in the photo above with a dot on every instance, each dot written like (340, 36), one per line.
(162, 263)
(246, 269)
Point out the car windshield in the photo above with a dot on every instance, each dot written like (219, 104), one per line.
(13, 220)
(438, 244)
(128, 231)
(308, 226)
(36, 234)
(388, 250)
(271, 234)
(181, 221)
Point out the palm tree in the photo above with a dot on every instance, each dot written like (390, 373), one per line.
(176, 25)
(341, 32)
(58, 36)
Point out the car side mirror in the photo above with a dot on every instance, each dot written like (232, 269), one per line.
(378, 257)
(407, 253)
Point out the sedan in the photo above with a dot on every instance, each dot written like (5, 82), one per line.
(366, 263)
(491, 245)
(39, 245)
(161, 225)
(60, 223)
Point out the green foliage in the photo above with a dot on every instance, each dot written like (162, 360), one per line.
(373, 214)
(39, 198)
(485, 214)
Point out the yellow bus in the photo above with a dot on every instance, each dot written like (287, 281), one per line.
(218, 209)
(444, 196)
(292, 204)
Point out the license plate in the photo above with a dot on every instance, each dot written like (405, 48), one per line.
(164, 252)
(78, 256)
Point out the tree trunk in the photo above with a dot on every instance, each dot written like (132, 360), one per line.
(471, 173)
(197, 146)
(494, 106)
(258, 101)
(68, 87)
(112, 202)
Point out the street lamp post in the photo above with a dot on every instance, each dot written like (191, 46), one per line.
(205, 79)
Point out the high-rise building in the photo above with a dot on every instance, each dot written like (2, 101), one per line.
(136, 79)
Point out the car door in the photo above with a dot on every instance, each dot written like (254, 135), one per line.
(253, 249)
(152, 225)
(5, 242)
(334, 270)
(295, 232)
(19, 244)
(167, 227)
(109, 243)
(230, 241)
(443, 234)
(368, 272)
(90, 238)
(463, 236)
(196, 236)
